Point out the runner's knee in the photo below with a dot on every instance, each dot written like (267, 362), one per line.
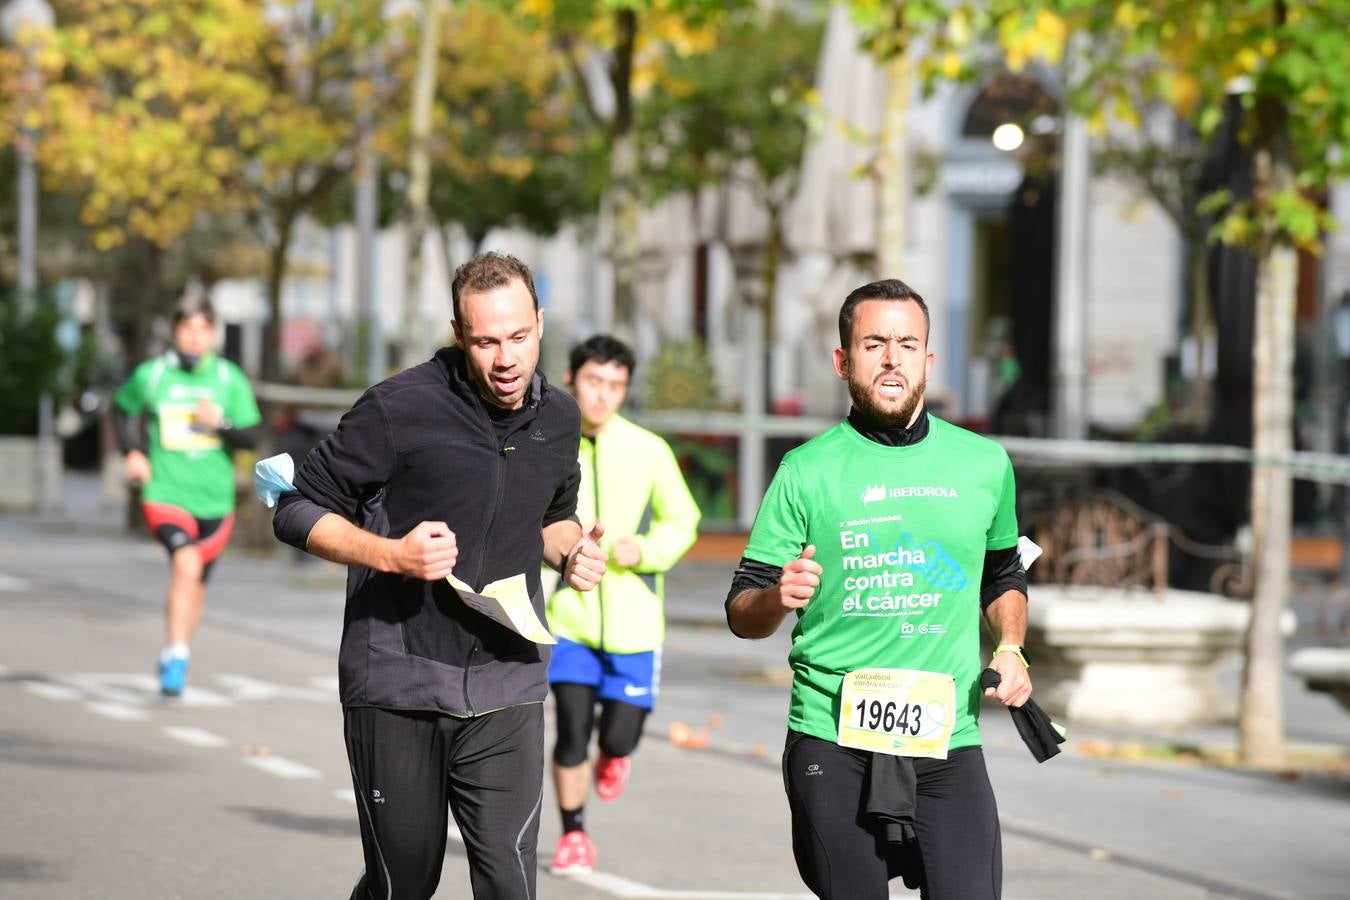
(620, 727)
(187, 562)
(575, 711)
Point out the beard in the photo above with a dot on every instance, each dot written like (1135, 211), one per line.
(886, 416)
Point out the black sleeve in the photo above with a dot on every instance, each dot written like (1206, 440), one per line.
(350, 466)
(241, 438)
(1003, 572)
(564, 504)
(125, 431)
(751, 574)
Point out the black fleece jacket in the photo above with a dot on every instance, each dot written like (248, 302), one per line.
(418, 447)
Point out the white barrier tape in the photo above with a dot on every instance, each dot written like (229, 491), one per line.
(1324, 467)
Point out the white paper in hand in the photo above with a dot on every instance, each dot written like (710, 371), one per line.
(1028, 550)
(506, 602)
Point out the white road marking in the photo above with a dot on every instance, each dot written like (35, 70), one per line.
(51, 690)
(326, 683)
(618, 886)
(194, 737)
(345, 794)
(246, 687)
(124, 688)
(135, 689)
(140, 690)
(282, 767)
(12, 584)
(627, 889)
(117, 711)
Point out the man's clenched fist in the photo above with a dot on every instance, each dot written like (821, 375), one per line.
(586, 562)
(800, 579)
(428, 552)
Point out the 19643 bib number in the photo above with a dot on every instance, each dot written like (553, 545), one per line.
(905, 718)
(903, 712)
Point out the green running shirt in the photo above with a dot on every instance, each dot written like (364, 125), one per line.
(901, 533)
(189, 468)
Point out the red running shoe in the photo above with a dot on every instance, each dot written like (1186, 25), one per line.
(575, 855)
(611, 774)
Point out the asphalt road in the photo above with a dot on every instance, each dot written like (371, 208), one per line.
(241, 789)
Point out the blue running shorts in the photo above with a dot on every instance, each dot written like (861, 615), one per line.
(628, 677)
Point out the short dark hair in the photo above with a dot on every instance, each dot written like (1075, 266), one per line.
(885, 289)
(488, 271)
(193, 303)
(601, 348)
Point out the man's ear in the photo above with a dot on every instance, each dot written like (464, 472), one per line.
(459, 334)
(841, 363)
(567, 378)
(540, 320)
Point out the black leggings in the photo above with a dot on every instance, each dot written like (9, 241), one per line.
(404, 767)
(620, 724)
(956, 823)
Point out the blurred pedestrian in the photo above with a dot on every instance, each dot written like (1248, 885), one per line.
(198, 408)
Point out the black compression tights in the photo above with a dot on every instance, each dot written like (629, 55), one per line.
(956, 822)
(620, 724)
(404, 767)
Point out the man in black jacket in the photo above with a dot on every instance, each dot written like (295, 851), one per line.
(467, 462)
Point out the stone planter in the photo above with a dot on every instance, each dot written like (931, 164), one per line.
(21, 475)
(1111, 656)
(1324, 669)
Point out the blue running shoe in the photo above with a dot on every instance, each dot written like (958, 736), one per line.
(172, 676)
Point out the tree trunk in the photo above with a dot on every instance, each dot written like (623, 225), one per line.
(1202, 326)
(412, 347)
(624, 209)
(137, 292)
(1261, 718)
(277, 257)
(773, 257)
(447, 256)
(893, 169)
(621, 198)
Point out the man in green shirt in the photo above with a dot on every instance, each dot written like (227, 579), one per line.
(198, 408)
(888, 535)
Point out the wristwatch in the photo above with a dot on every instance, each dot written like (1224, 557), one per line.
(1013, 648)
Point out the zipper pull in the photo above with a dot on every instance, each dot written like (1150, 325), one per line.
(506, 450)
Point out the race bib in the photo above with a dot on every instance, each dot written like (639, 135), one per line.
(903, 712)
(178, 431)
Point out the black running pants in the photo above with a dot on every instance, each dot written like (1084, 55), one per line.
(956, 823)
(406, 768)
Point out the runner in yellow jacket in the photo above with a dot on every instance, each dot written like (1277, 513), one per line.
(609, 640)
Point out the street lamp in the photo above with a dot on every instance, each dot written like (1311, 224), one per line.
(1008, 137)
(20, 21)
(23, 23)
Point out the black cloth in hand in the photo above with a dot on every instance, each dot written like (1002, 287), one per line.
(1035, 727)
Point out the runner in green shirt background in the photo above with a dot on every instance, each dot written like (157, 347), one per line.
(888, 535)
(197, 409)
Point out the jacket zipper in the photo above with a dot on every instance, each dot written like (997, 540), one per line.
(595, 494)
(482, 550)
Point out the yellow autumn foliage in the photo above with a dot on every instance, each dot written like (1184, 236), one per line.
(158, 111)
